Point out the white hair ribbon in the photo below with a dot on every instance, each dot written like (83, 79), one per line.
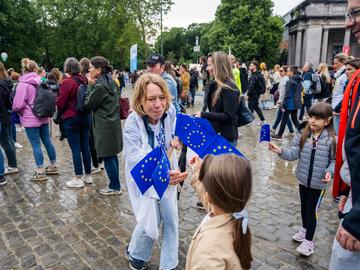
(244, 215)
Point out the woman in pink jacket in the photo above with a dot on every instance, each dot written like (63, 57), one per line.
(37, 129)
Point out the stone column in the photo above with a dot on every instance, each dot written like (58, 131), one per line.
(347, 37)
(298, 48)
(313, 45)
(289, 50)
(325, 43)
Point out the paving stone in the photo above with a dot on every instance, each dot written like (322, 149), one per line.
(23, 251)
(29, 233)
(51, 260)
(8, 262)
(28, 261)
(43, 249)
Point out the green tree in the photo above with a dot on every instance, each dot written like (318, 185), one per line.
(248, 28)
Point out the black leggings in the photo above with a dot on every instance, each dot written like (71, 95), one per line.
(253, 104)
(310, 202)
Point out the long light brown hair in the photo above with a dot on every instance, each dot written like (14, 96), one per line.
(28, 65)
(324, 72)
(3, 73)
(140, 91)
(222, 72)
(228, 181)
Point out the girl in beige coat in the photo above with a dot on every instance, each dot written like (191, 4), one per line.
(223, 240)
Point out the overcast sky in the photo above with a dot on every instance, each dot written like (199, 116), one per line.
(185, 12)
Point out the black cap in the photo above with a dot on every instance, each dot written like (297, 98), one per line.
(155, 58)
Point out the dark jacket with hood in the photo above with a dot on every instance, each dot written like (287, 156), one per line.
(5, 105)
(292, 97)
(351, 221)
(222, 116)
(103, 100)
(66, 101)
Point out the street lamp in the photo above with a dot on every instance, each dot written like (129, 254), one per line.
(161, 28)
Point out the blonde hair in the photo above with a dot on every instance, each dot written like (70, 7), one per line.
(263, 66)
(276, 67)
(3, 73)
(140, 91)
(324, 71)
(222, 72)
(28, 65)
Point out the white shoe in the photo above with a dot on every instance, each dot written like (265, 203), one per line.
(306, 248)
(75, 183)
(87, 178)
(11, 170)
(18, 145)
(300, 235)
(102, 166)
(261, 123)
(96, 170)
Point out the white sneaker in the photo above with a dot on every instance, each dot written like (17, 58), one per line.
(96, 170)
(18, 145)
(87, 178)
(261, 123)
(11, 170)
(300, 235)
(102, 167)
(75, 183)
(306, 248)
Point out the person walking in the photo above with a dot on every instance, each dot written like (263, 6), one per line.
(37, 129)
(76, 124)
(255, 88)
(102, 100)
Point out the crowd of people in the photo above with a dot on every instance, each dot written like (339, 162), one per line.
(319, 107)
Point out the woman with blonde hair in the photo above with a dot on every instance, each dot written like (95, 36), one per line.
(276, 78)
(223, 98)
(326, 83)
(266, 96)
(152, 124)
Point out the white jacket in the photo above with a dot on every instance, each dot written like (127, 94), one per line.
(136, 147)
(338, 92)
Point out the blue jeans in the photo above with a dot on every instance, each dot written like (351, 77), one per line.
(8, 145)
(112, 169)
(77, 130)
(192, 95)
(278, 120)
(35, 134)
(336, 121)
(13, 132)
(140, 245)
(308, 99)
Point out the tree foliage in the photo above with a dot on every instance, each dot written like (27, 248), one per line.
(49, 31)
(247, 27)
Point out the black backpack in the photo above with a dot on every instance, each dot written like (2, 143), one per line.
(261, 84)
(178, 85)
(80, 100)
(80, 97)
(45, 101)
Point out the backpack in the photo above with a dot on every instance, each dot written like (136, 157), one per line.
(80, 97)
(261, 84)
(45, 101)
(315, 87)
(80, 100)
(178, 85)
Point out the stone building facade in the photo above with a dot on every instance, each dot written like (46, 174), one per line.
(315, 32)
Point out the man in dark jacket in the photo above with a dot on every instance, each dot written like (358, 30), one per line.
(292, 100)
(346, 248)
(253, 93)
(206, 80)
(243, 77)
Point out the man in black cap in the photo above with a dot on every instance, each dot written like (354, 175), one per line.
(156, 65)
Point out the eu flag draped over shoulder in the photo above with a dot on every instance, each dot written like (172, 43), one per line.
(199, 135)
(265, 133)
(153, 170)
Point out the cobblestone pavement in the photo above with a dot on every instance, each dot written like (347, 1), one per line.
(49, 226)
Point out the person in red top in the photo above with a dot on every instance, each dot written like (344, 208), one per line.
(76, 125)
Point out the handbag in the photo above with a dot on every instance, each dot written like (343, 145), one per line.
(244, 115)
(124, 107)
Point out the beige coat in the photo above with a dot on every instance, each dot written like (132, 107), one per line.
(212, 246)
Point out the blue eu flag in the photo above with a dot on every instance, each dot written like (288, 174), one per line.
(144, 172)
(194, 132)
(161, 176)
(265, 133)
(219, 146)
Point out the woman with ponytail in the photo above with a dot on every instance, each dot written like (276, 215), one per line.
(103, 100)
(223, 239)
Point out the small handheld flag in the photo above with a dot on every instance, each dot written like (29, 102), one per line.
(219, 146)
(152, 170)
(265, 133)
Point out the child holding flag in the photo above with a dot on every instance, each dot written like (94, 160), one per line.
(315, 149)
